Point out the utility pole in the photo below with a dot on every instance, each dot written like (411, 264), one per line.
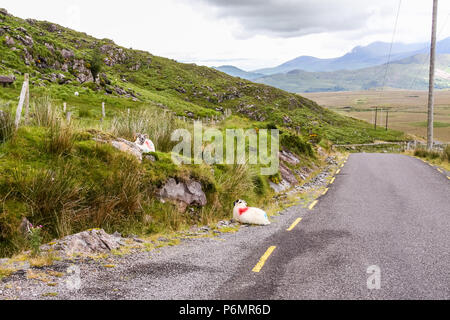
(387, 119)
(376, 117)
(430, 135)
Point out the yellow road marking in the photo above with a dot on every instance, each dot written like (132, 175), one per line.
(332, 180)
(263, 260)
(295, 224)
(325, 192)
(440, 170)
(339, 171)
(313, 205)
(448, 177)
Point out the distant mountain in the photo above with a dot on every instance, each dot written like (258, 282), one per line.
(407, 73)
(374, 54)
(236, 72)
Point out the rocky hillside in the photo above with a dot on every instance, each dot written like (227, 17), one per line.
(58, 61)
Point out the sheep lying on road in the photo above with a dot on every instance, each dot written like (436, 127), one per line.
(243, 214)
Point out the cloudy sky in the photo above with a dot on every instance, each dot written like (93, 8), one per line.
(250, 34)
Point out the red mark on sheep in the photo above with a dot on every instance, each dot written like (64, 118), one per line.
(242, 211)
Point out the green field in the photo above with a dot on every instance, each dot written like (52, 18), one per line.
(408, 110)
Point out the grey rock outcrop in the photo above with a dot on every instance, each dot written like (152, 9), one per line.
(86, 243)
(83, 73)
(67, 54)
(183, 193)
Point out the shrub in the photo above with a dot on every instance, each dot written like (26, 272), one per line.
(296, 144)
(95, 63)
(35, 238)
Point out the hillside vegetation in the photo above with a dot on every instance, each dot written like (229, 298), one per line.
(58, 174)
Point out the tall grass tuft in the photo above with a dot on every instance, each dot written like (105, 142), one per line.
(49, 194)
(235, 183)
(6, 126)
(44, 113)
(158, 125)
(446, 154)
(118, 198)
(60, 140)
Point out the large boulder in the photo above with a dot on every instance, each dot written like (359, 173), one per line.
(184, 194)
(89, 242)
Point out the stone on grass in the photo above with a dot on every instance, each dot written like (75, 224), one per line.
(90, 242)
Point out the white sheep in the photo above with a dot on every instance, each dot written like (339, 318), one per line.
(77, 94)
(145, 144)
(243, 214)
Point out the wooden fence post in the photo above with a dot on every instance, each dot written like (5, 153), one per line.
(103, 111)
(22, 99)
(27, 99)
(64, 107)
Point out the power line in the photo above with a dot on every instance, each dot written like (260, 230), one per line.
(427, 58)
(394, 33)
(392, 44)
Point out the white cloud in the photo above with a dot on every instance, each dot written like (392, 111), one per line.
(247, 33)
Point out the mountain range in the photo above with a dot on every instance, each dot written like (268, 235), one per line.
(360, 69)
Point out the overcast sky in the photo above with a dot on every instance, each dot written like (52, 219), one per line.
(250, 34)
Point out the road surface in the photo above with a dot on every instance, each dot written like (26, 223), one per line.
(387, 212)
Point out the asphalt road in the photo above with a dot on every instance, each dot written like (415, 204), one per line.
(389, 211)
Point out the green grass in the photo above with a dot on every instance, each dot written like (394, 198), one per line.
(69, 183)
(424, 124)
(433, 155)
